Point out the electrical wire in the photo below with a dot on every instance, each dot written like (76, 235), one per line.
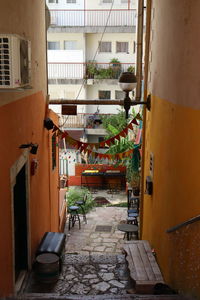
(93, 60)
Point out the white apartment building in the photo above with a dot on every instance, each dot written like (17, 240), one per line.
(90, 42)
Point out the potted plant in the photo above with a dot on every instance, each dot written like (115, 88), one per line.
(131, 69)
(91, 69)
(115, 67)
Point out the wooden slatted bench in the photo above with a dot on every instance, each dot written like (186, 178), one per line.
(143, 267)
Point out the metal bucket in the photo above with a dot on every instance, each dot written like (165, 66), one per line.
(47, 267)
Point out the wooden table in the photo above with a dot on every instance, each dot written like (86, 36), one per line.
(128, 229)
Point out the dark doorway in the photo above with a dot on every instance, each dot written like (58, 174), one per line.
(20, 223)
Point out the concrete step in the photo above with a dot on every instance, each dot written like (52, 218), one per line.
(97, 297)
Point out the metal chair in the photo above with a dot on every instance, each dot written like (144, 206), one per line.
(81, 204)
(73, 216)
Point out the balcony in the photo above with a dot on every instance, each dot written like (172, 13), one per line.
(70, 73)
(90, 122)
(94, 20)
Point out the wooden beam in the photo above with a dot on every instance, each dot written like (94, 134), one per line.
(84, 102)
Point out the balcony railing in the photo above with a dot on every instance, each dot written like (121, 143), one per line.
(118, 17)
(88, 70)
(89, 121)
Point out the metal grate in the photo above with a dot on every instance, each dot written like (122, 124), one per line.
(103, 228)
(4, 62)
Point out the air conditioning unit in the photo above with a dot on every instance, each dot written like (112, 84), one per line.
(15, 61)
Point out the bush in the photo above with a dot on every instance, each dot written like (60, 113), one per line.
(77, 194)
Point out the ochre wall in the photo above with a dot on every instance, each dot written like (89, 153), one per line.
(23, 123)
(21, 120)
(172, 129)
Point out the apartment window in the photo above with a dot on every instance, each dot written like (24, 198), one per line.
(122, 47)
(71, 1)
(106, 1)
(70, 45)
(104, 46)
(54, 45)
(53, 1)
(104, 94)
(119, 95)
(124, 1)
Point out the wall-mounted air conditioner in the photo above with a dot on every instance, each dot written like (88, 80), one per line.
(15, 61)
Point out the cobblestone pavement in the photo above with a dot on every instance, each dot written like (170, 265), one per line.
(93, 263)
(91, 274)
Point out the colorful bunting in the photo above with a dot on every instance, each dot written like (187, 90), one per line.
(90, 147)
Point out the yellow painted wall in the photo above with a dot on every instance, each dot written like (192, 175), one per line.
(172, 135)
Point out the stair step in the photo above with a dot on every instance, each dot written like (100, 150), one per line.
(96, 297)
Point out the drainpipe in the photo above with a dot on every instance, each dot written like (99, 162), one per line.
(139, 49)
(146, 67)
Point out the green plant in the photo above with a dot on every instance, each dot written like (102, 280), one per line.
(114, 124)
(131, 69)
(115, 66)
(76, 194)
(91, 69)
(114, 61)
(104, 73)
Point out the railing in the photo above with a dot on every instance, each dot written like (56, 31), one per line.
(82, 121)
(118, 17)
(183, 224)
(75, 70)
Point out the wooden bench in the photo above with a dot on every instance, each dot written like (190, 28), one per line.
(143, 267)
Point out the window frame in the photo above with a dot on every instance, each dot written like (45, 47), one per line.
(54, 2)
(58, 43)
(100, 45)
(104, 91)
(123, 42)
(72, 41)
(71, 2)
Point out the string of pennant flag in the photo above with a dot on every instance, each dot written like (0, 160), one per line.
(91, 147)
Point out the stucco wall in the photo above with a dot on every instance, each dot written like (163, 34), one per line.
(61, 37)
(21, 118)
(92, 42)
(172, 136)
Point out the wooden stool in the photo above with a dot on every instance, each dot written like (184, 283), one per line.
(47, 267)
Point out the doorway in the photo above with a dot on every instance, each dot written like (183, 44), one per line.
(20, 223)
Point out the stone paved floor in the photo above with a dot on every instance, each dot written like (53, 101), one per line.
(87, 239)
(94, 263)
